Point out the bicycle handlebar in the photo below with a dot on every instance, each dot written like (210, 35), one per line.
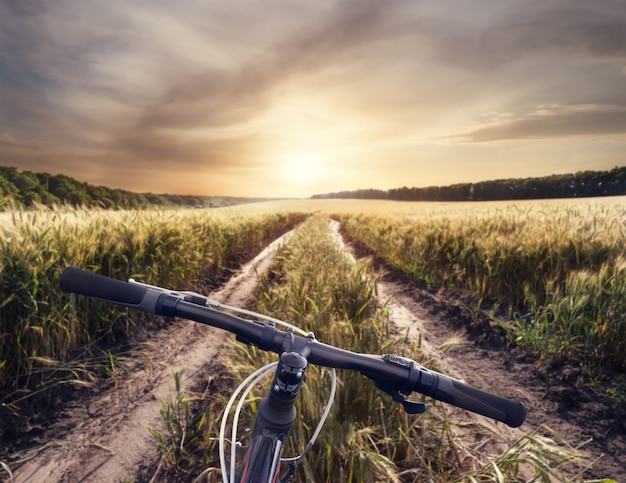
(393, 374)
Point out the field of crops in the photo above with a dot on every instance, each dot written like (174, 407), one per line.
(558, 270)
(40, 328)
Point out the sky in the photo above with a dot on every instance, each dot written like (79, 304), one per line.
(288, 98)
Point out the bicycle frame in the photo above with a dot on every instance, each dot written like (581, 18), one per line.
(275, 416)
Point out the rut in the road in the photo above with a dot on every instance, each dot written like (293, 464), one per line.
(411, 318)
(110, 440)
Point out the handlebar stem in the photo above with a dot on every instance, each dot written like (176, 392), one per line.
(277, 413)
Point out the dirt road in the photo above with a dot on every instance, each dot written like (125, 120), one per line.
(104, 437)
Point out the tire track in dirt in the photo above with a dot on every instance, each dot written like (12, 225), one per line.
(558, 399)
(412, 319)
(109, 440)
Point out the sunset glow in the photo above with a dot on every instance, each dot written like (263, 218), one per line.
(251, 99)
(303, 168)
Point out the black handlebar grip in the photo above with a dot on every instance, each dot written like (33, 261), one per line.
(452, 391)
(74, 280)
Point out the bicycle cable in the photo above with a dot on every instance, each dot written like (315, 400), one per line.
(219, 306)
(318, 430)
(245, 387)
(208, 302)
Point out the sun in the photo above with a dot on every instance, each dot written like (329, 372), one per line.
(304, 168)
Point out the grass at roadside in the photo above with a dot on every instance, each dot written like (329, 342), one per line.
(559, 269)
(40, 328)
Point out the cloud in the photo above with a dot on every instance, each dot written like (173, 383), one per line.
(596, 30)
(196, 86)
(214, 99)
(23, 8)
(554, 121)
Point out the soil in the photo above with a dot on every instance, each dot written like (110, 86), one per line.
(100, 433)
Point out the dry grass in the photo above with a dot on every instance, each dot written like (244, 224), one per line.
(559, 268)
(171, 248)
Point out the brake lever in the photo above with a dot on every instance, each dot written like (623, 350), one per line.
(410, 407)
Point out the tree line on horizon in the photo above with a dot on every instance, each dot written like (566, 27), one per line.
(580, 184)
(27, 189)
